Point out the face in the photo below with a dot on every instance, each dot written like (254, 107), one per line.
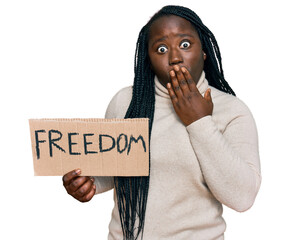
(174, 41)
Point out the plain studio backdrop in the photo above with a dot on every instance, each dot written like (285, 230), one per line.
(68, 58)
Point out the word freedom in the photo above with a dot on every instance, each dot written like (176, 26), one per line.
(122, 142)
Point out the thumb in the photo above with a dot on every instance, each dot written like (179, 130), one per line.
(207, 95)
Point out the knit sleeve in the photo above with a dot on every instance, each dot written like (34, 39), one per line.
(229, 159)
(116, 109)
(119, 103)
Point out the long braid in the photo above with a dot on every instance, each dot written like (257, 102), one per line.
(132, 192)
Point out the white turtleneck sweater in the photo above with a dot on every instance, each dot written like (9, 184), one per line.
(194, 169)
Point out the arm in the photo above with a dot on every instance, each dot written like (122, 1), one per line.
(230, 160)
(103, 184)
(116, 109)
(83, 188)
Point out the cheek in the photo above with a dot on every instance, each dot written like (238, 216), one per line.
(159, 66)
(196, 65)
(195, 58)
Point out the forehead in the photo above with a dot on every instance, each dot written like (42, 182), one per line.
(171, 24)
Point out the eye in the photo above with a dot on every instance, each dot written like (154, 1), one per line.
(162, 49)
(185, 44)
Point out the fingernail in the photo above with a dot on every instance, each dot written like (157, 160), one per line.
(183, 69)
(176, 67)
(172, 73)
(168, 85)
(92, 179)
(78, 171)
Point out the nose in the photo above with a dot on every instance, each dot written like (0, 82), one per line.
(175, 57)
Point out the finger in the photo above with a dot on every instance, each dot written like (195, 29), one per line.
(67, 178)
(175, 85)
(77, 183)
(92, 179)
(89, 195)
(207, 95)
(191, 84)
(182, 80)
(84, 189)
(172, 93)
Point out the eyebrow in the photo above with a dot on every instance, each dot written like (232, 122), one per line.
(179, 35)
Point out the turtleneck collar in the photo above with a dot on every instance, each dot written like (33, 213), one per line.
(161, 91)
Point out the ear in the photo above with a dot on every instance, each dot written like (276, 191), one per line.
(204, 55)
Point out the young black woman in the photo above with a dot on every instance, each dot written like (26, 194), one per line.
(203, 139)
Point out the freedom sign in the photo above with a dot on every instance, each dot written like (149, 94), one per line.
(99, 147)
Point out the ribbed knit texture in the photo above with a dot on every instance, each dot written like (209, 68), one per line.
(194, 169)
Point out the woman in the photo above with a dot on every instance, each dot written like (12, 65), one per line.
(203, 140)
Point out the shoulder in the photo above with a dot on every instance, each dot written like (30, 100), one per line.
(230, 110)
(227, 102)
(123, 95)
(119, 103)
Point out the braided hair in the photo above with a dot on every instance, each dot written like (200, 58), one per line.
(132, 192)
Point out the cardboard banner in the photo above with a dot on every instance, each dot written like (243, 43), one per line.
(99, 147)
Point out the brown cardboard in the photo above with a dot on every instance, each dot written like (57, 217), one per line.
(62, 145)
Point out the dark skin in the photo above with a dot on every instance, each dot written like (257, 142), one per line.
(80, 187)
(177, 59)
